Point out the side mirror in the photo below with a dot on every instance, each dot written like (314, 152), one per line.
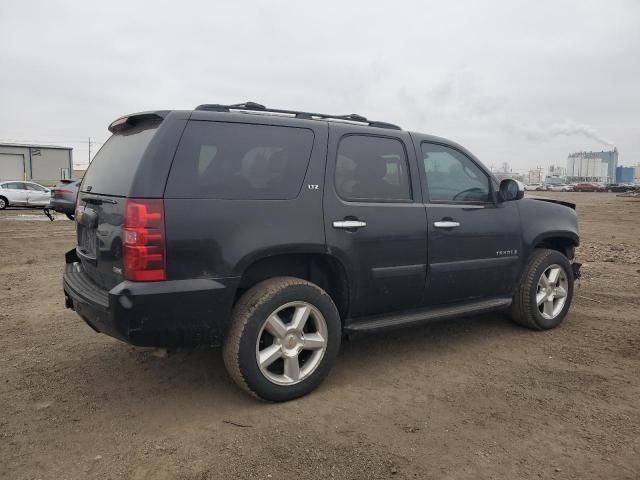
(510, 190)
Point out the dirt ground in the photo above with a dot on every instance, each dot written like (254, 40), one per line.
(467, 399)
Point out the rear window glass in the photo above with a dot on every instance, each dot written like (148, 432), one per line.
(112, 169)
(240, 161)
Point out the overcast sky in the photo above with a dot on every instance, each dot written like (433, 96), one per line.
(521, 82)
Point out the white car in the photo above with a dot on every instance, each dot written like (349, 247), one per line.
(538, 187)
(23, 194)
(560, 187)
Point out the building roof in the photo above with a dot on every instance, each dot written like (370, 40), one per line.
(31, 145)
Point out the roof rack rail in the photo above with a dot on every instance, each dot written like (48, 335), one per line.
(256, 107)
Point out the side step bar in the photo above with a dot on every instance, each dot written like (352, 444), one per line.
(416, 317)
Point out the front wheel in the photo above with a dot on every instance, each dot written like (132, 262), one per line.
(283, 339)
(544, 294)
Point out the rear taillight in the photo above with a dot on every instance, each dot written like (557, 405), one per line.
(144, 242)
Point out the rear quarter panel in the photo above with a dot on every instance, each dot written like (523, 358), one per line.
(216, 238)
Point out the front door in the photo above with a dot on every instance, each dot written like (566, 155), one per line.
(375, 222)
(474, 242)
(37, 195)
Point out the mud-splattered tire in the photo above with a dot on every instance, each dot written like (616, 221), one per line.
(283, 339)
(544, 294)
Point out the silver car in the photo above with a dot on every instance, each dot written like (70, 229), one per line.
(63, 196)
(560, 187)
(23, 194)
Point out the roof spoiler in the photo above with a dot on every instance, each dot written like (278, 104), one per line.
(256, 107)
(133, 119)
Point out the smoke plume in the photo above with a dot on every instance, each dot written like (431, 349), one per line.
(566, 128)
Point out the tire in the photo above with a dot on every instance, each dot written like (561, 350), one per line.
(525, 309)
(252, 322)
(70, 216)
(4, 203)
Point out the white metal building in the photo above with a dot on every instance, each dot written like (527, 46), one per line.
(45, 164)
(592, 166)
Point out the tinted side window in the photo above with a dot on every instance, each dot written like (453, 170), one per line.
(452, 176)
(372, 169)
(240, 161)
(15, 186)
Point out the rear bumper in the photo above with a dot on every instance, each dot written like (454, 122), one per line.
(62, 205)
(158, 314)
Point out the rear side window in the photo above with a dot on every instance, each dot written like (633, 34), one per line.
(372, 169)
(112, 169)
(240, 161)
(34, 188)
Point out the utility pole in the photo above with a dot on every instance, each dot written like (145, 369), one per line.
(89, 149)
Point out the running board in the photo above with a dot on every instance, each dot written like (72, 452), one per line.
(416, 317)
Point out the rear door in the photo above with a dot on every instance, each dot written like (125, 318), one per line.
(102, 202)
(474, 242)
(374, 218)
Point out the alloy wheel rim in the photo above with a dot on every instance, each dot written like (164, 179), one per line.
(2, 203)
(552, 291)
(291, 343)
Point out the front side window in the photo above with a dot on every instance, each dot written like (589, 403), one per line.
(34, 188)
(452, 176)
(240, 161)
(372, 169)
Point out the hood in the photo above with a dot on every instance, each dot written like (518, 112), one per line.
(551, 200)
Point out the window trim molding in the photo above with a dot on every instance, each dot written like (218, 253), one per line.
(410, 200)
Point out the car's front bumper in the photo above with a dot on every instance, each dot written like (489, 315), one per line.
(158, 314)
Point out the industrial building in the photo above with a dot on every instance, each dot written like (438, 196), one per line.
(592, 166)
(45, 164)
(625, 174)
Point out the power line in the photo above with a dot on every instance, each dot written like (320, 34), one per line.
(79, 142)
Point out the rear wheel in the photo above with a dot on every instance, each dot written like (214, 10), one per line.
(283, 339)
(545, 292)
(4, 203)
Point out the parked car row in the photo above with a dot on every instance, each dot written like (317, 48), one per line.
(61, 198)
(583, 187)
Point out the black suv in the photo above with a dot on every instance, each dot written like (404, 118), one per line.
(276, 232)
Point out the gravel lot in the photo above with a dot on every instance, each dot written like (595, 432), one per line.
(467, 399)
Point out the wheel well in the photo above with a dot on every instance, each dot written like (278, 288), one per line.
(324, 270)
(564, 245)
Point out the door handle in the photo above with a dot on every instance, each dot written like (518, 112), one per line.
(349, 224)
(446, 224)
